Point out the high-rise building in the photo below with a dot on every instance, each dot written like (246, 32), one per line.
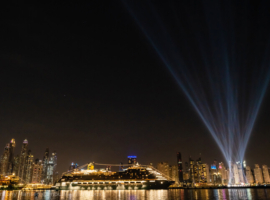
(23, 160)
(186, 176)
(132, 160)
(249, 175)
(240, 172)
(180, 167)
(169, 170)
(11, 156)
(191, 170)
(7, 160)
(45, 165)
(186, 173)
(235, 173)
(173, 173)
(164, 168)
(223, 172)
(244, 167)
(37, 171)
(206, 174)
(258, 174)
(29, 164)
(51, 169)
(196, 170)
(16, 165)
(215, 176)
(265, 174)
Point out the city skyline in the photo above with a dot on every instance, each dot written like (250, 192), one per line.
(181, 165)
(26, 167)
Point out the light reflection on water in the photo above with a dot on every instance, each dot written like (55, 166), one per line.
(178, 194)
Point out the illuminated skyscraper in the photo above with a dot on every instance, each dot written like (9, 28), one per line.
(45, 165)
(16, 165)
(4, 160)
(265, 174)
(11, 156)
(23, 160)
(173, 173)
(240, 172)
(235, 173)
(216, 178)
(196, 170)
(186, 173)
(37, 171)
(206, 174)
(29, 164)
(249, 175)
(191, 170)
(51, 169)
(7, 160)
(258, 174)
(180, 167)
(223, 172)
(244, 166)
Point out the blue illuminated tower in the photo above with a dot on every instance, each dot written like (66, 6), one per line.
(132, 160)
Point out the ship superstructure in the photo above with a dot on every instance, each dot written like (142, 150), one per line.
(133, 177)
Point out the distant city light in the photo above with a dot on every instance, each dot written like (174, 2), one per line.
(132, 156)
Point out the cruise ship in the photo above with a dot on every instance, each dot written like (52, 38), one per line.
(133, 177)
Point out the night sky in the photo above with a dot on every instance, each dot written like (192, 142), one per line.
(82, 79)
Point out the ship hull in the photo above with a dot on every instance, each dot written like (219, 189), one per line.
(146, 185)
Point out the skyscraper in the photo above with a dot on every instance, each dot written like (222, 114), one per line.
(223, 172)
(258, 174)
(214, 174)
(7, 160)
(37, 171)
(265, 174)
(180, 167)
(4, 160)
(235, 173)
(191, 170)
(29, 164)
(16, 165)
(11, 156)
(206, 173)
(249, 175)
(45, 165)
(23, 160)
(54, 158)
(240, 172)
(51, 169)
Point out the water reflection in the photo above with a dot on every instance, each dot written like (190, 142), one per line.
(178, 194)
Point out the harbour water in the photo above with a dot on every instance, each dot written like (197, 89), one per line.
(178, 194)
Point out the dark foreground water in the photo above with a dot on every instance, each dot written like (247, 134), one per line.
(183, 194)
